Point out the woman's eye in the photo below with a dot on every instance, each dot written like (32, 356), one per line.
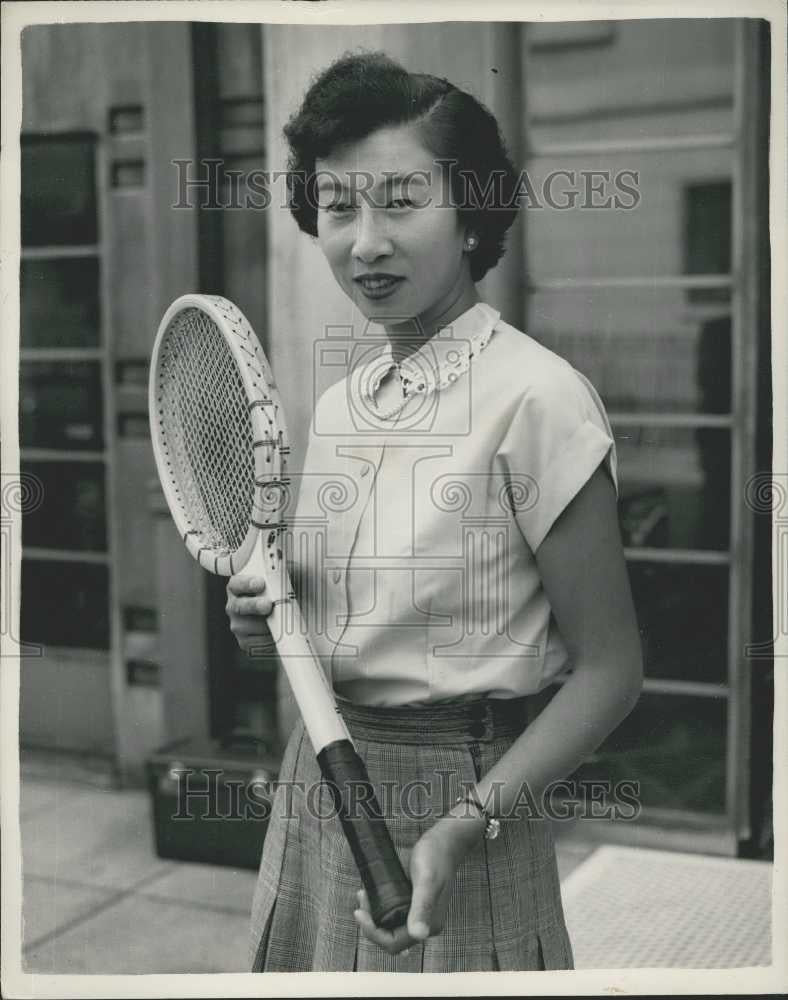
(338, 207)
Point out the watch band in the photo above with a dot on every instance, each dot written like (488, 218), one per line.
(492, 826)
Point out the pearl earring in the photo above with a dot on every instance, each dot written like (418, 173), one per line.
(470, 243)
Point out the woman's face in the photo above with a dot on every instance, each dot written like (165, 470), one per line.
(388, 230)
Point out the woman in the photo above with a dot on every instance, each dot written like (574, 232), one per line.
(478, 554)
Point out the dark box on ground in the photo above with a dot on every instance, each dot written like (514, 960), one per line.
(211, 799)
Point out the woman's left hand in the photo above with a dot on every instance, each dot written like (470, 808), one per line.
(434, 861)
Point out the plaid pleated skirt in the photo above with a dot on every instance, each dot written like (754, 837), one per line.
(505, 910)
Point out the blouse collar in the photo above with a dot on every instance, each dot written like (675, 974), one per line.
(440, 360)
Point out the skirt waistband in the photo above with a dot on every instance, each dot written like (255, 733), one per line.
(480, 721)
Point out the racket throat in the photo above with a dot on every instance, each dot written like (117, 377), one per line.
(267, 561)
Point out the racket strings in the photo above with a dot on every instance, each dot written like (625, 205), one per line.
(207, 431)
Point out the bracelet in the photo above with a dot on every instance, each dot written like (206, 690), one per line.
(492, 826)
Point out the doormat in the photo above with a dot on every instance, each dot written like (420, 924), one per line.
(636, 908)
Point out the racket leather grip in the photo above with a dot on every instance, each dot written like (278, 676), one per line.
(388, 887)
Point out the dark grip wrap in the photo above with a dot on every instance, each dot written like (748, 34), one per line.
(382, 875)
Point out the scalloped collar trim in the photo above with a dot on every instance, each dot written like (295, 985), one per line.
(441, 360)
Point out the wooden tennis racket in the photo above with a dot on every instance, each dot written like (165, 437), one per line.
(220, 442)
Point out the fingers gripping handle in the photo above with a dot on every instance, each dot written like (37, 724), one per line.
(384, 879)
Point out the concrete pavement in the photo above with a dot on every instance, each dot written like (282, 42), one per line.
(97, 899)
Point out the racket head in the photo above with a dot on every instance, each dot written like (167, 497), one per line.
(218, 432)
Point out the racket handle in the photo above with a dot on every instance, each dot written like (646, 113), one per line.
(387, 885)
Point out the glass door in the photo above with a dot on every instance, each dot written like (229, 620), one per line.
(637, 249)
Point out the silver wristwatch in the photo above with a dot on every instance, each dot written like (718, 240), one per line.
(492, 825)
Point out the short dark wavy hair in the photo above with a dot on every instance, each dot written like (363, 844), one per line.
(362, 92)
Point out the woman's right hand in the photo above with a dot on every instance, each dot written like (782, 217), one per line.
(248, 607)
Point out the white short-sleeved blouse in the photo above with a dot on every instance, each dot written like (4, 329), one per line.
(414, 536)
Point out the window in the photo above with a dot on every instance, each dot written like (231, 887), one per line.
(60, 302)
(60, 404)
(59, 190)
(65, 569)
(707, 235)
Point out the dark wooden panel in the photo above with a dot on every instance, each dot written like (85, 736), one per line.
(245, 266)
(239, 60)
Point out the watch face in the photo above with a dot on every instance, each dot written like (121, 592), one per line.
(493, 829)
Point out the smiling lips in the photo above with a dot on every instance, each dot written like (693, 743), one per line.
(378, 285)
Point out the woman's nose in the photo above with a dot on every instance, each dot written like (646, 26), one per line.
(370, 239)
